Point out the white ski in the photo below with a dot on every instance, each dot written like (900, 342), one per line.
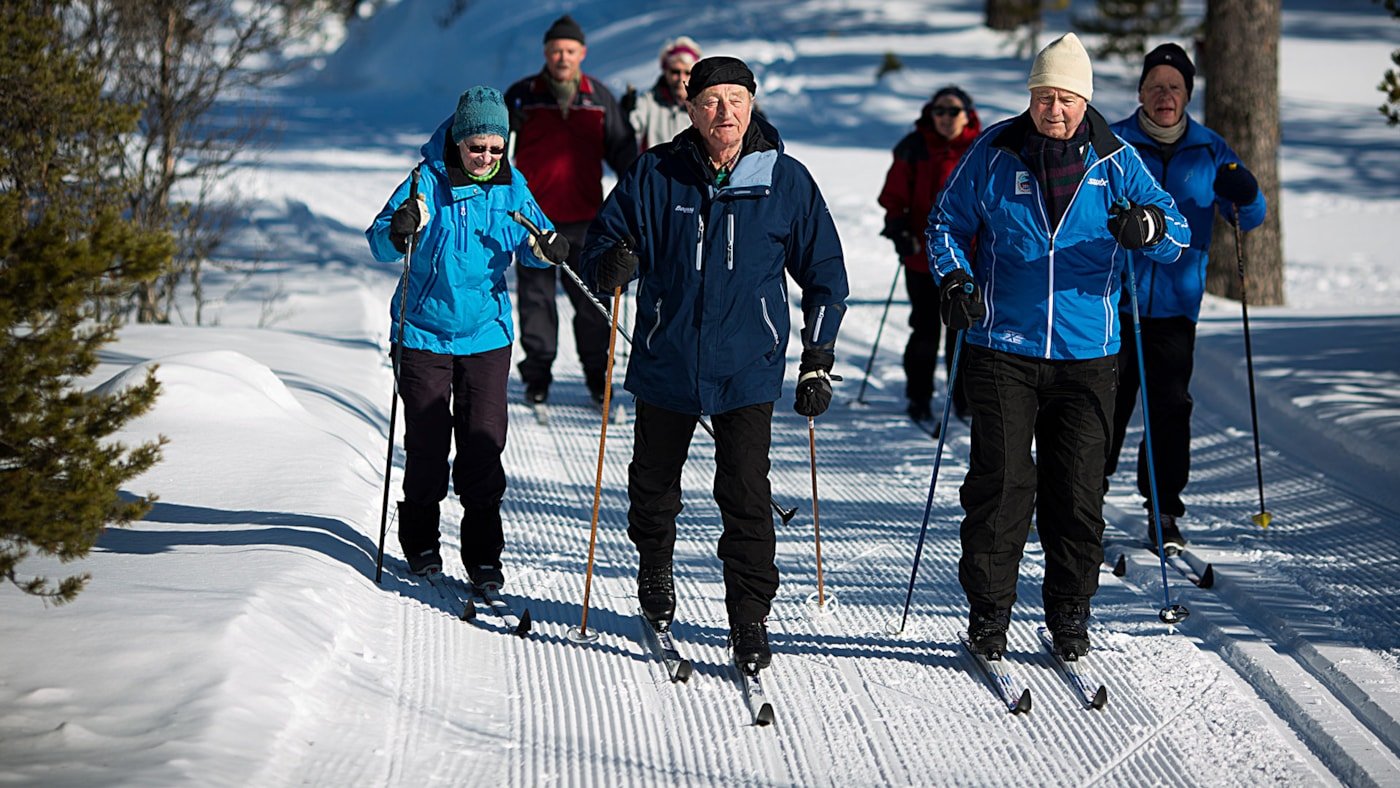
(1094, 696)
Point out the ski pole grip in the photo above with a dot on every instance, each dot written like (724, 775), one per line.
(525, 222)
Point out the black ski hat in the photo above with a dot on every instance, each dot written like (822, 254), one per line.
(956, 92)
(564, 27)
(719, 70)
(1170, 54)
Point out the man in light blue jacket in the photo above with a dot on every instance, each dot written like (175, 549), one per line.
(1054, 202)
(456, 330)
(1197, 167)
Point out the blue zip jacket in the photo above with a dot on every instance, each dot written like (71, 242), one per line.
(1189, 176)
(712, 322)
(1051, 293)
(458, 302)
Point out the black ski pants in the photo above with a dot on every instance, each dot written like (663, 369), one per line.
(1067, 408)
(538, 309)
(747, 544)
(921, 351)
(446, 396)
(1168, 350)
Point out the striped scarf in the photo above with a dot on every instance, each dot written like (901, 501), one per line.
(1059, 167)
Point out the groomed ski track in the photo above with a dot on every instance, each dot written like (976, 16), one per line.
(854, 703)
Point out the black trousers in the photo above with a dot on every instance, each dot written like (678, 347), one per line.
(921, 351)
(535, 290)
(1168, 350)
(741, 488)
(464, 397)
(1067, 408)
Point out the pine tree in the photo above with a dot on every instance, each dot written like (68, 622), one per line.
(1126, 25)
(67, 256)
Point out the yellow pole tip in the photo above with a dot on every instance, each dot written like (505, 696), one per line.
(1262, 519)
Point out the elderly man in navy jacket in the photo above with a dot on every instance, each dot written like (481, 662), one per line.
(711, 223)
(1202, 173)
(1054, 201)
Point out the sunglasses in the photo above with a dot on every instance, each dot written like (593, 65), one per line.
(951, 112)
(496, 150)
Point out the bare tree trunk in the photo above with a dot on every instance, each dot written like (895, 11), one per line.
(1011, 14)
(1240, 62)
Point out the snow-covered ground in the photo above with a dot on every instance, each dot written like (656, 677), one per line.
(237, 636)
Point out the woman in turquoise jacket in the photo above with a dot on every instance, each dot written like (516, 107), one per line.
(456, 332)
(1197, 167)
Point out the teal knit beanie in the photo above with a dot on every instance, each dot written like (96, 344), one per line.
(480, 110)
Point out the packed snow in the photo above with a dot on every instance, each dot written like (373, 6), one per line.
(237, 635)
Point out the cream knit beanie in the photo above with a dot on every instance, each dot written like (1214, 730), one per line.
(1063, 64)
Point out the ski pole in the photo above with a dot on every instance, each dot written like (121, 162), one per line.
(1263, 518)
(816, 516)
(785, 514)
(581, 634)
(1169, 614)
(875, 348)
(394, 403)
(937, 461)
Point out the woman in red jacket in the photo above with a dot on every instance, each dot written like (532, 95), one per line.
(922, 162)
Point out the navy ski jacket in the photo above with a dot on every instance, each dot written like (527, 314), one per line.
(712, 323)
(1189, 176)
(1051, 292)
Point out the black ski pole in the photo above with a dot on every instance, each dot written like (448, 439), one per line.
(785, 514)
(875, 348)
(1170, 613)
(394, 404)
(937, 461)
(1263, 518)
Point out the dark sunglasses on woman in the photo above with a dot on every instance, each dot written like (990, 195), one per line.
(496, 150)
(951, 112)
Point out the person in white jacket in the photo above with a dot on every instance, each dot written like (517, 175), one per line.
(659, 114)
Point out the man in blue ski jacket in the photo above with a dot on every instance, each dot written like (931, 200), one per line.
(1197, 167)
(710, 224)
(1054, 202)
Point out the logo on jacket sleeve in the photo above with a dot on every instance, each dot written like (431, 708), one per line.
(685, 209)
(1023, 182)
(1097, 182)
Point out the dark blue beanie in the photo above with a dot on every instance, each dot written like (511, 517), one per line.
(480, 110)
(955, 91)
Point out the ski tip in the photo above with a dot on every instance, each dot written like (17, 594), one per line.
(1100, 698)
(682, 672)
(1207, 577)
(468, 610)
(523, 628)
(1120, 567)
(1023, 703)
(765, 716)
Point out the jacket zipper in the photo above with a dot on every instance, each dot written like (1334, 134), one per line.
(729, 242)
(700, 243)
(767, 321)
(654, 328)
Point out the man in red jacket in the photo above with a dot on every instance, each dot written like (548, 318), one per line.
(922, 162)
(564, 125)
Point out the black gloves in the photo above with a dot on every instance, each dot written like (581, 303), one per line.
(814, 383)
(615, 267)
(409, 218)
(897, 230)
(1234, 183)
(550, 246)
(1136, 225)
(961, 301)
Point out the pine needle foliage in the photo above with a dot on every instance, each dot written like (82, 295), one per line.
(1126, 25)
(68, 255)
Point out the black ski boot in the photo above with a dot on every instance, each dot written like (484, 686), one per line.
(749, 643)
(1172, 540)
(656, 591)
(1069, 626)
(487, 577)
(986, 632)
(418, 536)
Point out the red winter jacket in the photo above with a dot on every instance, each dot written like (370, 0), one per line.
(923, 160)
(562, 155)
